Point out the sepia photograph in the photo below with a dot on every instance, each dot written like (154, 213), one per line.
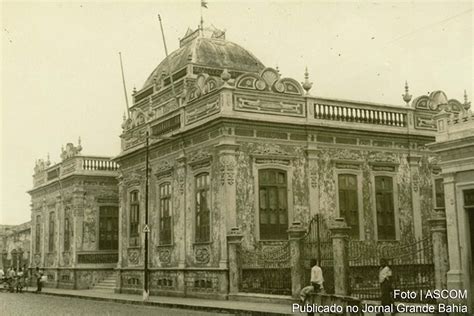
(236, 157)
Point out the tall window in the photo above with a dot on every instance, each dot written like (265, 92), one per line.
(348, 202)
(203, 229)
(38, 234)
(273, 208)
(385, 207)
(134, 217)
(67, 233)
(108, 228)
(439, 193)
(51, 232)
(165, 214)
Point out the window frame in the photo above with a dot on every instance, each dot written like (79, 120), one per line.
(435, 193)
(208, 188)
(133, 240)
(100, 241)
(51, 232)
(289, 190)
(67, 236)
(169, 198)
(395, 197)
(360, 210)
(38, 234)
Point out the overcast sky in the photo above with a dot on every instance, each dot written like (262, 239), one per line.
(60, 71)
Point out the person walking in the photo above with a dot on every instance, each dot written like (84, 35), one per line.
(386, 288)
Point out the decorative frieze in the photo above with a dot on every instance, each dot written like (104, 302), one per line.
(226, 168)
(271, 106)
(201, 110)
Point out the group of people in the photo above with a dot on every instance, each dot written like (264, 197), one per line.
(13, 279)
(317, 280)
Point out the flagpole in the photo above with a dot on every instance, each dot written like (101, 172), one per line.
(124, 86)
(169, 61)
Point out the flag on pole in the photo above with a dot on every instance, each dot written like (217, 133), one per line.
(204, 4)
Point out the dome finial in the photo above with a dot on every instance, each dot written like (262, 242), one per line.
(225, 76)
(406, 96)
(306, 84)
(134, 90)
(277, 69)
(465, 96)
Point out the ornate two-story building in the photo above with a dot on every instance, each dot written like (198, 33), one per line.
(236, 149)
(74, 219)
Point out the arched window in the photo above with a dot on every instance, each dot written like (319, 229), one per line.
(134, 218)
(273, 206)
(165, 214)
(385, 208)
(203, 214)
(348, 202)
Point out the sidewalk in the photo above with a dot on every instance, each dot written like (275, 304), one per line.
(219, 306)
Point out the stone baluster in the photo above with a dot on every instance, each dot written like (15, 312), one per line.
(340, 237)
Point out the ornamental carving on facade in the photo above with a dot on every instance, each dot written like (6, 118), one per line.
(50, 259)
(133, 179)
(200, 111)
(344, 154)
(270, 150)
(284, 162)
(313, 176)
(164, 170)
(381, 157)
(226, 168)
(164, 255)
(202, 254)
(71, 150)
(66, 258)
(181, 180)
(200, 159)
(134, 256)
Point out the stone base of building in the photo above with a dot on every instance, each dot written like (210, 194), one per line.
(73, 278)
(190, 282)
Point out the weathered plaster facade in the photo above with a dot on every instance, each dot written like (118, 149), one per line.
(15, 245)
(67, 199)
(455, 146)
(230, 120)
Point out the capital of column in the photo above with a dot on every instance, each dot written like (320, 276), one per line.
(227, 145)
(312, 151)
(296, 231)
(339, 228)
(413, 160)
(234, 236)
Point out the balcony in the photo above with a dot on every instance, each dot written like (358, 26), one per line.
(77, 165)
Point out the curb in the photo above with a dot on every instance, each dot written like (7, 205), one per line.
(216, 309)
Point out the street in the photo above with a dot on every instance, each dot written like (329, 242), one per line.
(34, 304)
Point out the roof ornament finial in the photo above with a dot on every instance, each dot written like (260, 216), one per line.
(407, 96)
(225, 76)
(134, 90)
(277, 69)
(307, 85)
(48, 161)
(467, 104)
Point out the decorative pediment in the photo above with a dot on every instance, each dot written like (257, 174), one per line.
(269, 80)
(164, 170)
(270, 150)
(132, 179)
(200, 159)
(203, 85)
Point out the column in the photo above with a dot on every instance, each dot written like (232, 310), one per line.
(413, 161)
(340, 237)
(313, 179)
(78, 218)
(440, 247)
(234, 239)
(295, 235)
(454, 277)
(181, 221)
(227, 165)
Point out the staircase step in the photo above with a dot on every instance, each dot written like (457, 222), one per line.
(98, 287)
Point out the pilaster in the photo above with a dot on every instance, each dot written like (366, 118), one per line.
(340, 238)
(414, 164)
(313, 178)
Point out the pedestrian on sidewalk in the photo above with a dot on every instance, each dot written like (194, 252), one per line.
(38, 275)
(386, 288)
(316, 280)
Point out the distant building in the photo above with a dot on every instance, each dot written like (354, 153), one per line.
(234, 144)
(74, 219)
(15, 245)
(455, 147)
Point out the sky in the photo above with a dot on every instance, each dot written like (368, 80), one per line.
(61, 79)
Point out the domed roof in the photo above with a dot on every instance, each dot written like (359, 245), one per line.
(208, 50)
